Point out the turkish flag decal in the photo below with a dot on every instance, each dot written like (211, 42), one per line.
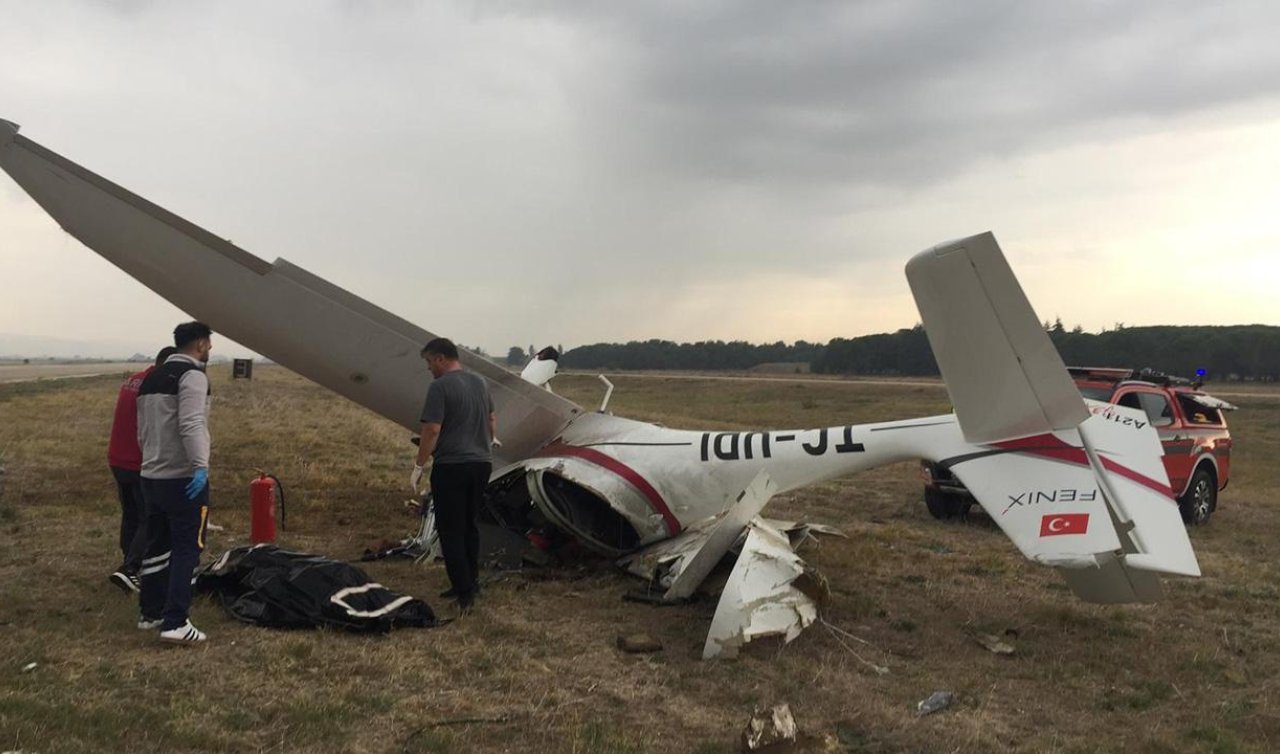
(1064, 523)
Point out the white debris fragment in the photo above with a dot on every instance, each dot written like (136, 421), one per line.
(30, 666)
(724, 534)
(773, 729)
(662, 562)
(701, 545)
(938, 700)
(803, 531)
(761, 598)
(994, 644)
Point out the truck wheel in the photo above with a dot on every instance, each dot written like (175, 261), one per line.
(941, 505)
(1201, 497)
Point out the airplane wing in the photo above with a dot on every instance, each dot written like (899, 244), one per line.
(283, 312)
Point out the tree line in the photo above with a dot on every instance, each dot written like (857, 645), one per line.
(1229, 352)
(712, 355)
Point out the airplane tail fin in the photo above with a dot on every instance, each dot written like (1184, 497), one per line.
(1004, 376)
(1078, 488)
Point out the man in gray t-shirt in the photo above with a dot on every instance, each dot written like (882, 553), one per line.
(458, 428)
(458, 402)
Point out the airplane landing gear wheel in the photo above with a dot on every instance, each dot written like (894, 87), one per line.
(1201, 497)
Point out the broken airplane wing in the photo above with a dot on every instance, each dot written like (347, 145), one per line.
(366, 354)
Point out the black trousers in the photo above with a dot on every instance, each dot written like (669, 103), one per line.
(175, 538)
(458, 490)
(133, 511)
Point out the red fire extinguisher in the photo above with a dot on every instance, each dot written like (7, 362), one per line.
(262, 506)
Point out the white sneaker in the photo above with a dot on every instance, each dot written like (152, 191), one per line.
(146, 624)
(184, 634)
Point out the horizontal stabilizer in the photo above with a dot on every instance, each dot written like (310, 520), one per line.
(1043, 494)
(1003, 374)
(1093, 502)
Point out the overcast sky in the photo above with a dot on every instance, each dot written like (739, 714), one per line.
(557, 172)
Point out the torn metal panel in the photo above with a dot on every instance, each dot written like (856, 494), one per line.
(660, 561)
(761, 597)
(772, 729)
(704, 542)
(695, 568)
(800, 532)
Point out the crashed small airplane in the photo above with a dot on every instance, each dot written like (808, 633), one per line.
(670, 504)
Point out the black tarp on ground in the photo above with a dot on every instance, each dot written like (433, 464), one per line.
(267, 586)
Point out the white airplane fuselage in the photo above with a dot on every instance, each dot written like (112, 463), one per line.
(661, 481)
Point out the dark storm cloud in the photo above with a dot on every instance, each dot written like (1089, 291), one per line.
(907, 92)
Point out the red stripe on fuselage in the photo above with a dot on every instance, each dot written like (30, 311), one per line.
(630, 475)
(1050, 446)
(1134, 476)
(1046, 446)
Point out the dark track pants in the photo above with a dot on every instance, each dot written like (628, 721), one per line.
(458, 490)
(133, 511)
(175, 538)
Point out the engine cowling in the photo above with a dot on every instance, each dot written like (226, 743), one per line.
(598, 505)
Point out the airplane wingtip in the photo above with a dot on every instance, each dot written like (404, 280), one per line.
(8, 130)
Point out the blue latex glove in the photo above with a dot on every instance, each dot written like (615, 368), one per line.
(199, 481)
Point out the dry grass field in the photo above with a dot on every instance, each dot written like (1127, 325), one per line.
(535, 668)
(17, 371)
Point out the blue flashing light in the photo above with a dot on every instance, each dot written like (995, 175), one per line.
(1201, 372)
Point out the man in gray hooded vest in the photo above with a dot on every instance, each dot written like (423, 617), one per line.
(173, 432)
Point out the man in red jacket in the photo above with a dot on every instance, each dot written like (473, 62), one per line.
(125, 458)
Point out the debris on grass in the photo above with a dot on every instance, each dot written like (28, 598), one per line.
(938, 700)
(638, 643)
(771, 730)
(994, 644)
(840, 635)
(30, 666)
(761, 597)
